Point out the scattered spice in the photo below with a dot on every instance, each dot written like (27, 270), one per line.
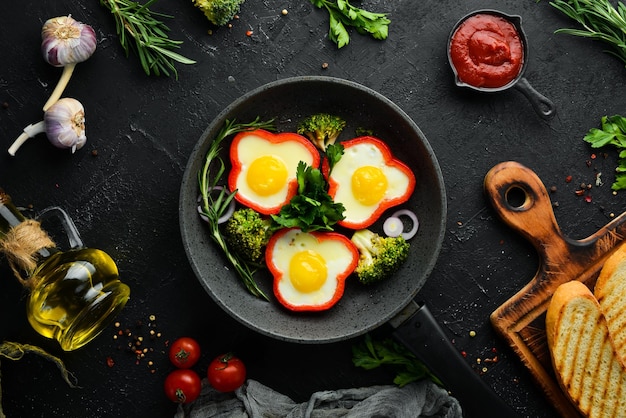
(137, 345)
(472, 333)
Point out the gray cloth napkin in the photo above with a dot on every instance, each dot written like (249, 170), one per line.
(254, 400)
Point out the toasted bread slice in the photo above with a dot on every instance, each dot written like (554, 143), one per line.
(583, 357)
(610, 290)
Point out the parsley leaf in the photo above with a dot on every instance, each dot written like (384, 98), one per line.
(334, 152)
(312, 208)
(343, 14)
(370, 354)
(612, 132)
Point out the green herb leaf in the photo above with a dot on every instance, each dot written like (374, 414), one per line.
(334, 152)
(147, 36)
(599, 20)
(213, 207)
(613, 132)
(370, 354)
(312, 209)
(342, 14)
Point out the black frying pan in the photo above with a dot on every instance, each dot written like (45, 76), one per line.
(362, 308)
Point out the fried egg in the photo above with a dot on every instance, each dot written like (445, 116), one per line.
(368, 180)
(310, 268)
(264, 168)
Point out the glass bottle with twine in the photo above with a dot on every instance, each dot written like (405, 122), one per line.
(73, 294)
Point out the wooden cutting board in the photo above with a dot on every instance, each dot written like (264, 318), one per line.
(522, 201)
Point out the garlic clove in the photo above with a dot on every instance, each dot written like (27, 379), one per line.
(66, 42)
(63, 123)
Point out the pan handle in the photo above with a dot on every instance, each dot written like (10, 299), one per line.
(424, 337)
(542, 105)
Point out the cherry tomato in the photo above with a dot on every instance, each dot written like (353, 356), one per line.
(184, 352)
(226, 373)
(183, 386)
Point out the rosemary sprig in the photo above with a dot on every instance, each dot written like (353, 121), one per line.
(600, 21)
(140, 30)
(214, 207)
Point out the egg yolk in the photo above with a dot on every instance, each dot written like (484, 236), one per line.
(369, 185)
(307, 271)
(267, 175)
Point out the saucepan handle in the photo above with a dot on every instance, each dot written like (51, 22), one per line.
(542, 105)
(421, 334)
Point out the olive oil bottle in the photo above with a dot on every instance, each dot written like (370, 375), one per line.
(74, 294)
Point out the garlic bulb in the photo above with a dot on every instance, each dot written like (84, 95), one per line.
(65, 43)
(63, 123)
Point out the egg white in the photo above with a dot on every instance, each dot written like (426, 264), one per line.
(360, 155)
(335, 253)
(252, 147)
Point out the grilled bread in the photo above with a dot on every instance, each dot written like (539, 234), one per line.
(610, 291)
(582, 354)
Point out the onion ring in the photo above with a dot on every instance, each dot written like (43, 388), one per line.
(226, 216)
(394, 227)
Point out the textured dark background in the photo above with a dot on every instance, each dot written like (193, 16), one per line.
(125, 199)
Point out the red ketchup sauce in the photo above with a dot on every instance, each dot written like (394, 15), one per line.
(486, 51)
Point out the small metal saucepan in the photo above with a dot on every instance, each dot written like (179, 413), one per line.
(542, 105)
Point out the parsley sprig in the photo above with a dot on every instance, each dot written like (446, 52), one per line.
(312, 208)
(140, 30)
(599, 20)
(612, 132)
(370, 354)
(214, 204)
(342, 14)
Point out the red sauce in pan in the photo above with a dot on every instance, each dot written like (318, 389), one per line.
(486, 51)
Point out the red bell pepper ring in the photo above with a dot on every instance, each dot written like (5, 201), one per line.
(271, 185)
(398, 181)
(310, 268)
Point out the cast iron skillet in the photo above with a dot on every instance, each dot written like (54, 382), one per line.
(362, 308)
(542, 105)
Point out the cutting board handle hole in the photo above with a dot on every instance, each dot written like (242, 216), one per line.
(516, 197)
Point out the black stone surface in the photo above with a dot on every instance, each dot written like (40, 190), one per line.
(125, 199)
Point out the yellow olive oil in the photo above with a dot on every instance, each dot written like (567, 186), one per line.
(74, 294)
(77, 295)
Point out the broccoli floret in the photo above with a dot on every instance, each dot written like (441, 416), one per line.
(219, 12)
(380, 257)
(322, 129)
(247, 233)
